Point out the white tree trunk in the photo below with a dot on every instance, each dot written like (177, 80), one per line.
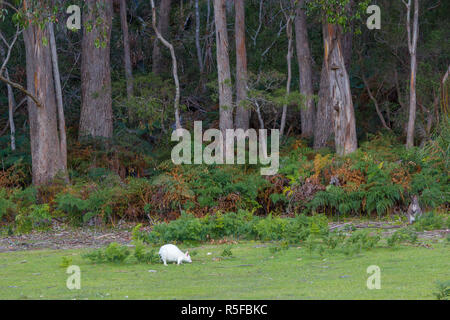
(412, 46)
(174, 67)
(59, 98)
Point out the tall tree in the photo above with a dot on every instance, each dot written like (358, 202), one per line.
(305, 73)
(59, 98)
(47, 156)
(126, 48)
(163, 27)
(11, 100)
(289, 22)
(169, 46)
(242, 117)
(197, 37)
(413, 33)
(335, 104)
(223, 67)
(339, 90)
(96, 117)
(322, 128)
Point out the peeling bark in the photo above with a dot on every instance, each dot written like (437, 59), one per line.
(46, 153)
(339, 92)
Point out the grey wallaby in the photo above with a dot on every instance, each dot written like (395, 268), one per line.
(414, 210)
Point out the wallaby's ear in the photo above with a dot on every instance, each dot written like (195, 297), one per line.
(187, 253)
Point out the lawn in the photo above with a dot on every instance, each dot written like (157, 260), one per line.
(253, 272)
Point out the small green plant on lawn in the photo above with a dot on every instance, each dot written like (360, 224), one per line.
(143, 255)
(403, 235)
(65, 262)
(443, 290)
(227, 252)
(279, 247)
(114, 253)
(431, 221)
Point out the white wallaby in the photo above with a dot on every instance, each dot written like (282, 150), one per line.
(171, 253)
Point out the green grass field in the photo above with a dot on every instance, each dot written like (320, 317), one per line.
(252, 273)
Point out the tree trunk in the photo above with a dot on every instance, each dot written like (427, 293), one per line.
(174, 67)
(163, 27)
(339, 92)
(304, 65)
(59, 98)
(289, 67)
(96, 117)
(322, 128)
(412, 45)
(11, 106)
(242, 117)
(46, 153)
(197, 37)
(126, 48)
(223, 68)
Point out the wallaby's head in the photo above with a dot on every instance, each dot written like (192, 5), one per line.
(187, 257)
(414, 209)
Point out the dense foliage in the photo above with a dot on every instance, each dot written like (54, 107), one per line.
(131, 176)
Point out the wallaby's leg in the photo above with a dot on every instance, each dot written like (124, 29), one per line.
(179, 261)
(165, 263)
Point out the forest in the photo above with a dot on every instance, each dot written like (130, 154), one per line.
(349, 98)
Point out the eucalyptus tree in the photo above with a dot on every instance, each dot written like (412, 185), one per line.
(304, 60)
(45, 114)
(242, 117)
(126, 48)
(223, 68)
(413, 33)
(335, 99)
(96, 118)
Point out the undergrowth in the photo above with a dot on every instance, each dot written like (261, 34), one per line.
(113, 183)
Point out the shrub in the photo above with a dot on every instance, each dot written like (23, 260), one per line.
(431, 221)
(443, 292)
(401, 236)
(114, 253)
(271, 228)
(36, 217)
(145, 256)
(73, 206)
(227, 252)
(241, 225)
(7, 207)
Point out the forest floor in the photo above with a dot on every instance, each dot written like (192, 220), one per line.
(252, 272)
